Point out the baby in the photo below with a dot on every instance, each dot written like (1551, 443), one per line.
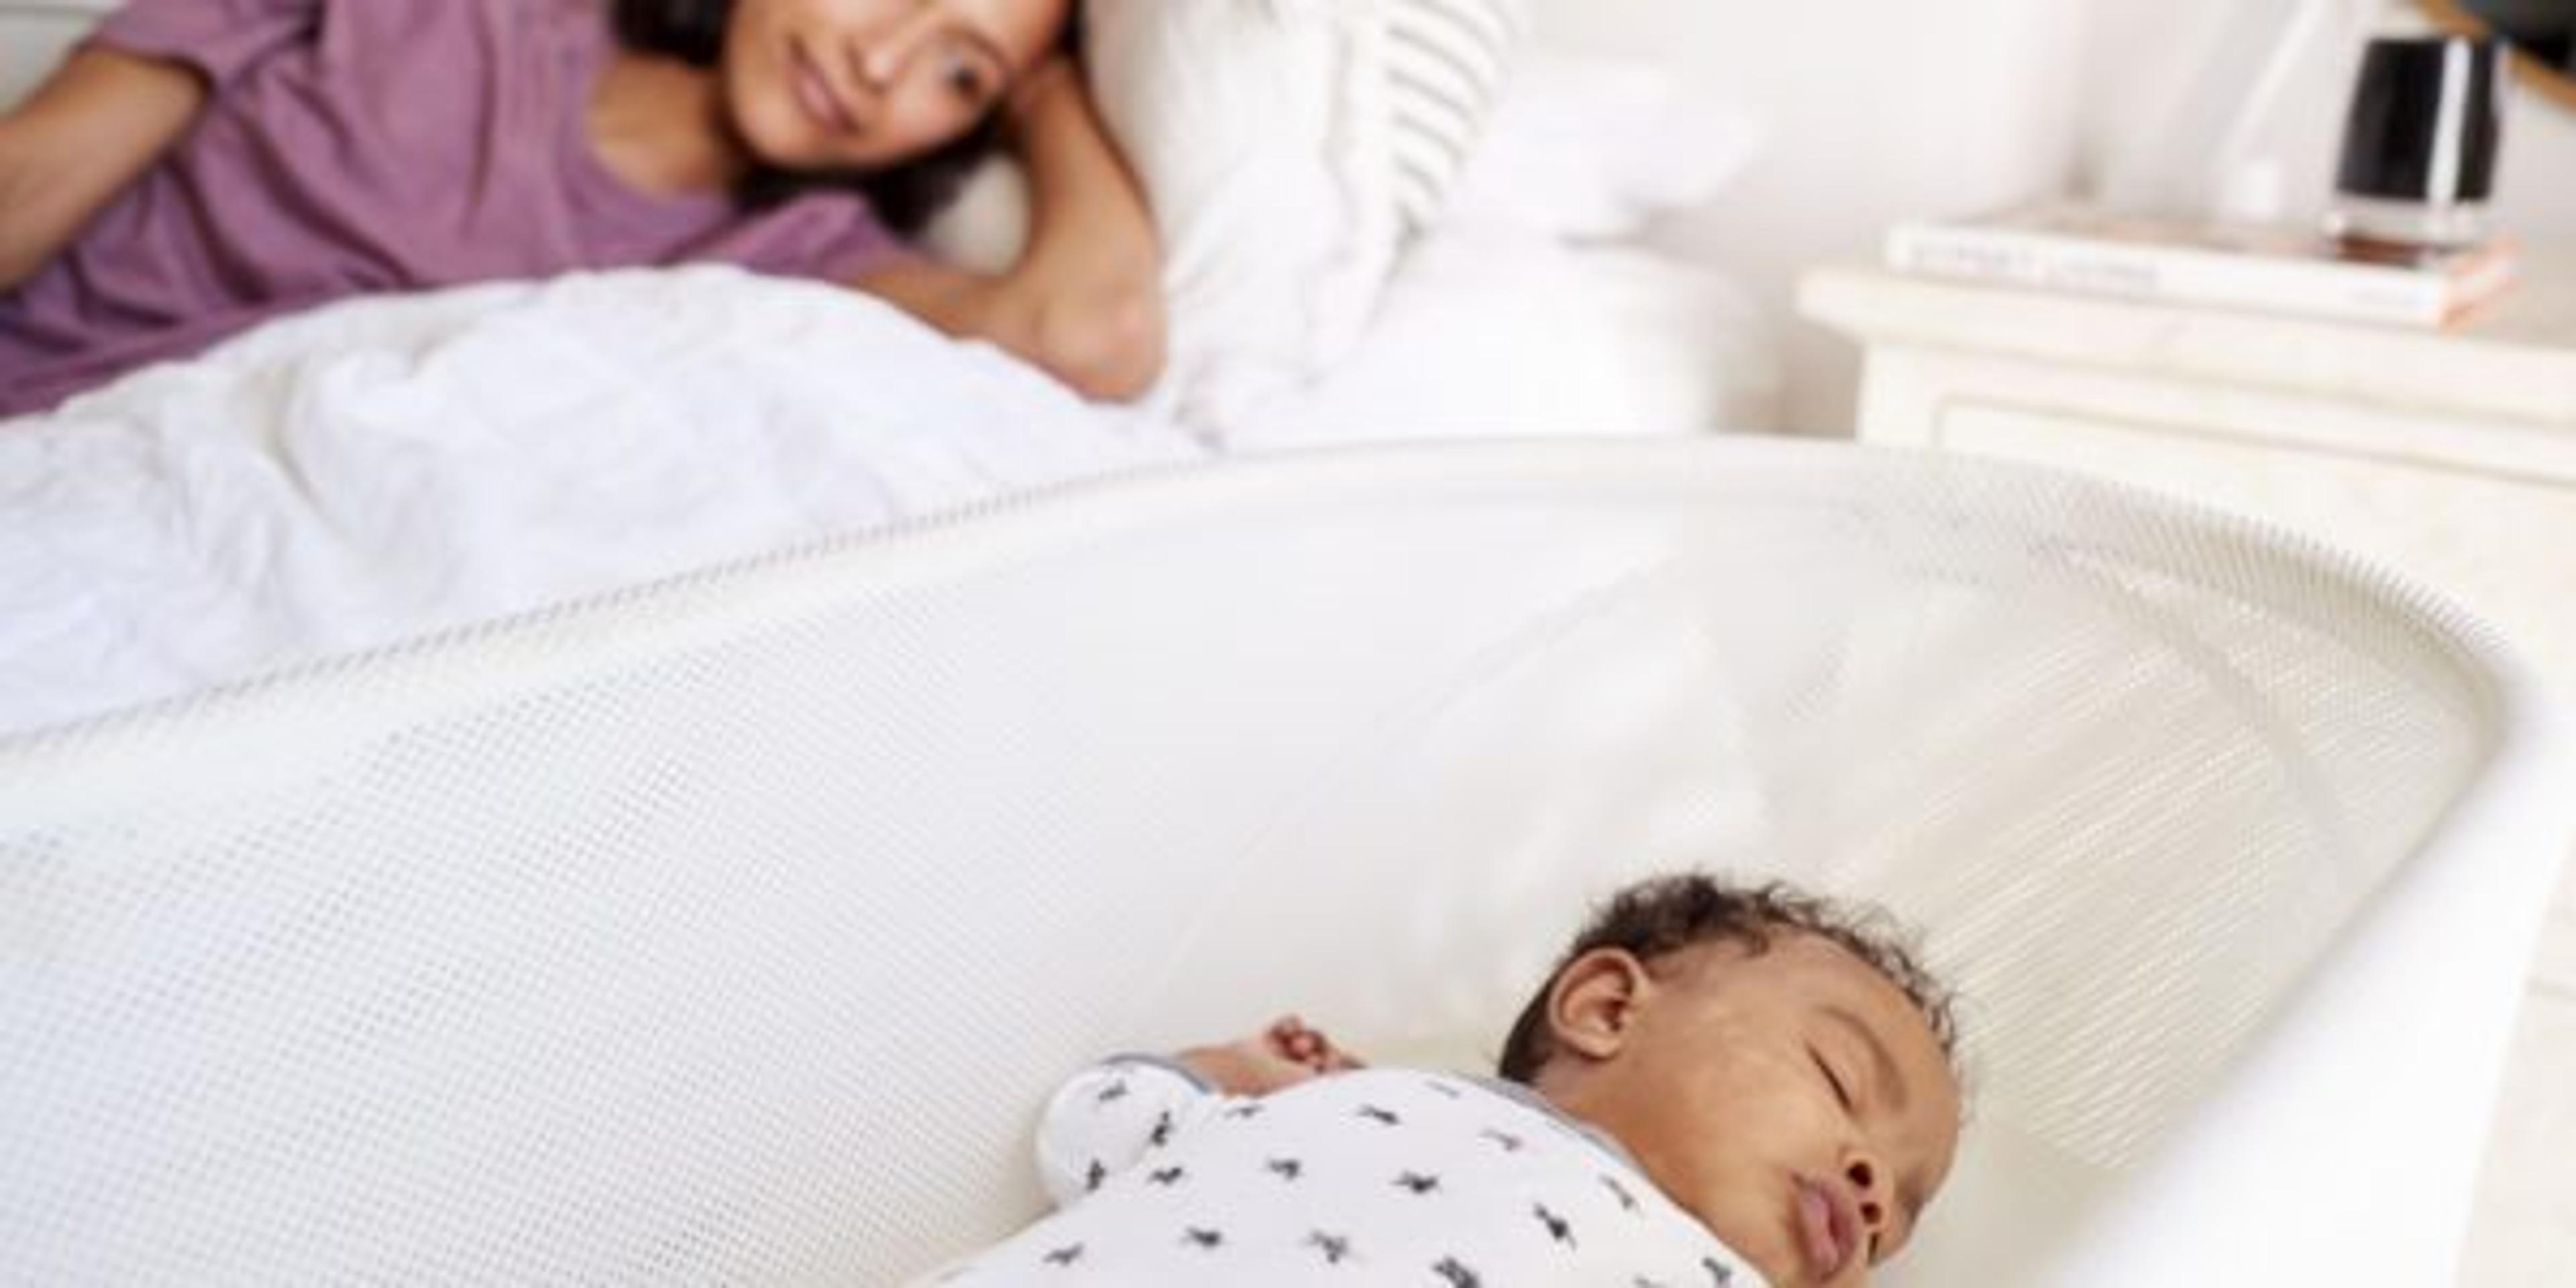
(1717, 1086)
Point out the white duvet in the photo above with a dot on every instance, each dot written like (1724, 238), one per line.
(384, 468)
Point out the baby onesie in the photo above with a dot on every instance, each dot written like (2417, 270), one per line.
(1379, 1177)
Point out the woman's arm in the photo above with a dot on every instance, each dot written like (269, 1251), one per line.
(1085, 301)
(89, 131)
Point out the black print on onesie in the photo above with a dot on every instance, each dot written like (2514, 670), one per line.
(1455, 1274)
(1511, 1144)
(1418, 1182)
(1627, 1201)
(1162, 1133)
(1718, 1275)
(1114, 1091)
(1093, 1176)
(1558, 1228)
(1197, 1237)
(1286, 1169)
(1166, 1176)
(1375, 1114)
(1334, 1247)
(1064, 1256)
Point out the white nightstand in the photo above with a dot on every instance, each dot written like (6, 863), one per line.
(2450, 453)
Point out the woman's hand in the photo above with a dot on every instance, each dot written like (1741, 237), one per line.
(85, 136)
(1285, 1054)
(1086, 299)
(1030, 95)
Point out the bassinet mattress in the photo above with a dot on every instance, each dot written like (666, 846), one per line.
(731, 930)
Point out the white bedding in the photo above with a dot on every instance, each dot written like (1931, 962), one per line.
(391, 467)
(1498, 331)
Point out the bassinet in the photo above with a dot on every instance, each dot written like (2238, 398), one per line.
(731, 930)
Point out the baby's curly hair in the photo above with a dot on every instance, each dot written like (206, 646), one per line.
(1664, 915)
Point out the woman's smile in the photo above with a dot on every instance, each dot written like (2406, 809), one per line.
(815, 94)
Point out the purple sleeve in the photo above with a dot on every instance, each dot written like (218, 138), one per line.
(217, 37)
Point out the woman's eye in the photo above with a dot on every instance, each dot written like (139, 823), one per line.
(966, 81)
(1842, 1094)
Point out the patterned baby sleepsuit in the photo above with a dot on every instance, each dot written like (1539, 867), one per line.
(1379, 1177)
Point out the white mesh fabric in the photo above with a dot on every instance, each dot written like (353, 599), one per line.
(732, 930)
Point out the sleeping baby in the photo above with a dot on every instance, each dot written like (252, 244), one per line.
(1717, 1086)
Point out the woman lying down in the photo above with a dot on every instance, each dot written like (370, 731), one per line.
(1716, 1088)
(199, 166)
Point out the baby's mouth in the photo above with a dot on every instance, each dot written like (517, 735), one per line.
(1827, 1228)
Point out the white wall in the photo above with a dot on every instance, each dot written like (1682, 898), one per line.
(1888, 109)
(1880, 109)
(2536, 189)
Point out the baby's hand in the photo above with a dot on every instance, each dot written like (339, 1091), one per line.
(1283, 1055)
(1294, 1040)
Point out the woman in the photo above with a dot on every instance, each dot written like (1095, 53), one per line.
(199, 166)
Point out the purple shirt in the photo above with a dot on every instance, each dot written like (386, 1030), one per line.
(354, 146)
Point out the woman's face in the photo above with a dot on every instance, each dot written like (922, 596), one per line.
(867, 84)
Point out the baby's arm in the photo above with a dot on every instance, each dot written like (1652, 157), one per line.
(1113, 1115)
(88, 133)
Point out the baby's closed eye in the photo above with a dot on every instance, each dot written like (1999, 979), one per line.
(1834, 1080)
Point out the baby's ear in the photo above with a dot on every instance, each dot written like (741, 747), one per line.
(1593, 1003)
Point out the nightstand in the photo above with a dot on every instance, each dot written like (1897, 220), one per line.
(2449, 453)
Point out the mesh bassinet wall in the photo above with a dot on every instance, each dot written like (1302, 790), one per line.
(731, 930)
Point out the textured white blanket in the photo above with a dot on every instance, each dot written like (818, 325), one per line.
(388, 467)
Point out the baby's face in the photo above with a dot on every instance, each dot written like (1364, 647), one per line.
(1793, 1099)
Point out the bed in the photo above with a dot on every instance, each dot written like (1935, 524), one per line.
(393, 467)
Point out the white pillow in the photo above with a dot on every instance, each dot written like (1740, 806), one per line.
(1490, 330)
(1591, 150)
(1576, 148)
(1288, 149)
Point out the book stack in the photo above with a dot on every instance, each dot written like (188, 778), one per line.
(2271, 268)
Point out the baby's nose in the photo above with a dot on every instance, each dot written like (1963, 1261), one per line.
(1864, 1174)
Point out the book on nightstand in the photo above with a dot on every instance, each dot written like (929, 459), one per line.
(2275, 268)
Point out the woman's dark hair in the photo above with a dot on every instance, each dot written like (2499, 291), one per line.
(904, 196)
(1659, 917)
